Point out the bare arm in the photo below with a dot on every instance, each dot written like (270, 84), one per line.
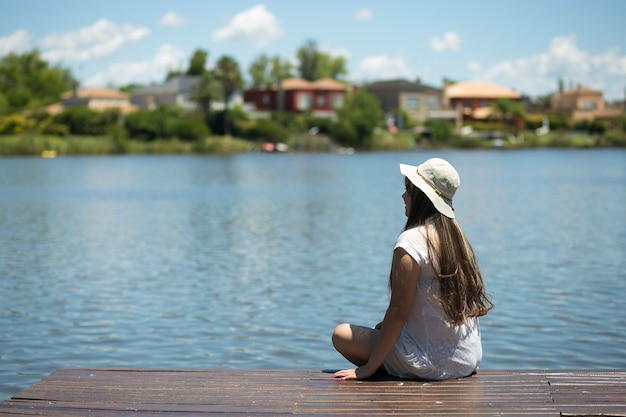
(404, 276)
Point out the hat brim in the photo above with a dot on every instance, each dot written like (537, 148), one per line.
(443, 206)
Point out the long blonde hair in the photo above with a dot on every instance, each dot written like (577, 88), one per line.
(462, 292)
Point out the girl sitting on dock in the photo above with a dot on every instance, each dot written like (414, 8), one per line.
(430, 329)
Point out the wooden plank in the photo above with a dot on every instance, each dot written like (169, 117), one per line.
(589, 393)
(114, 392)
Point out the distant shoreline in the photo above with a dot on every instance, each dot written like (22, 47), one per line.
(53, 146)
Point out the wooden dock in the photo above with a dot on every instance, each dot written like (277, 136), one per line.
(120, 392)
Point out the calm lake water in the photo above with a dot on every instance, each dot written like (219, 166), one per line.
(249, 261)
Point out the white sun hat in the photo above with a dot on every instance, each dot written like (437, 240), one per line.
(437, 179)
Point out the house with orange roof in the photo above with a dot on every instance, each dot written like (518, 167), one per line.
(475, 99)
(322, 97)
(97, 99)
(582, 103)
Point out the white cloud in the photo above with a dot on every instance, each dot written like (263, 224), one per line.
(363, 14)
(380, 67)
(256, 25)
(539, 74)
(17, 42)
(335, 52)
(474, 66)
(96, 41)
(449, 41)
(167, 58)
(172, 19)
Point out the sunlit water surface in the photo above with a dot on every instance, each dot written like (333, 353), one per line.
(249, 261)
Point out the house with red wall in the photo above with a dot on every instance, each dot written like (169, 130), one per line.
(322, 97)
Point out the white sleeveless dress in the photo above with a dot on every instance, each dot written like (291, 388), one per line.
(430, 347)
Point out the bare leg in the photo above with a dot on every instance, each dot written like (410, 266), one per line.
(355, 343)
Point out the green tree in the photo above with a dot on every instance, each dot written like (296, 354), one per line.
(358, 117)
(280, 69)
(129, 88)
(315, 64)
(82, 121)
(508, 110)
(228, 73)
(149, 125)
(197, 62)
(265, 71)
(308, 56)
(204, 91)
(331, 67)
(27, 81)
(259, 72)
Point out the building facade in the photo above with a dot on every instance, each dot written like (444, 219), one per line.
(176, 92)
(582, 103)
(97, 99)
(322, 97)
(475, 99)
(416, 99)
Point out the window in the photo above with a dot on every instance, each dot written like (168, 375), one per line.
(337, 101)
(484, 103)
(588, 105)
(266, 99)
(321, 100)
(304, 101)
(467, 104)
(432, 103)
(412, 103)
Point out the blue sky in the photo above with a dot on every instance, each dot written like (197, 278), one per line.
(525, 45)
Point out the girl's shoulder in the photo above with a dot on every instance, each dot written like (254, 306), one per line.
(418, 233)
(414, 242)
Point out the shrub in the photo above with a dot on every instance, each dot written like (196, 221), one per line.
(52, 128)
(189, 129)
(236, 115)
(439, 129)
(145, 125)
(345, 133)
(81, 121)
(14, 124)
(266, 130)
(533, 121)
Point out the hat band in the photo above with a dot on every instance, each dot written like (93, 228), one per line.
(432, 185)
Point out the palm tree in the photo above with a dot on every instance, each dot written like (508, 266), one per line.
(228, 74)
(280, 71)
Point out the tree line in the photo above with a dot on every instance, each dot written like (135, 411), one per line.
(28, 83)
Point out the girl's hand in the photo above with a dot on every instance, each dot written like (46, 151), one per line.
(357, 373)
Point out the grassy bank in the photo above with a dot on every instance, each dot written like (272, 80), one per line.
(105, 145)
(34, 145)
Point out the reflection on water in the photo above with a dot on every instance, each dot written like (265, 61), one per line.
(249, 261)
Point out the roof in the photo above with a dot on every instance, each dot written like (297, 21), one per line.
(125, 108)
(581, 91)
(475, 89)
(175, 85)
(296, 83)
(401, 85)
(96, 93)
(329, 84)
